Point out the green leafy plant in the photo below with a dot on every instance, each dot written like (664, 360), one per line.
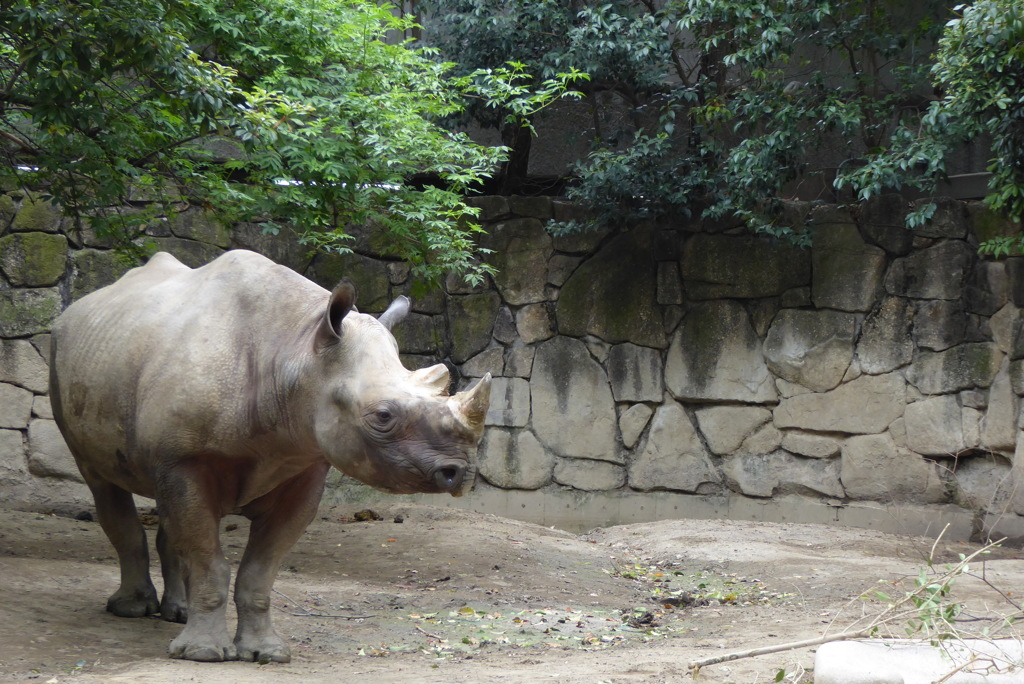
(719, 106)
(303, 114)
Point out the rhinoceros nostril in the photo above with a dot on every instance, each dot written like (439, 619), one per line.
(449, 478)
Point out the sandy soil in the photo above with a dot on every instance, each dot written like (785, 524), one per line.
(448, 596)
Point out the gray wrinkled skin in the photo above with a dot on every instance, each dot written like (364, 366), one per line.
(233, 388)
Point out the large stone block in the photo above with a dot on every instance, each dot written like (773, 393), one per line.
(763, 475)
(635, 373)
(534, 323)
(48, 455)
(41, 407)
(999, 424)
(533, 206)
(490, 206)
(673, 456)
(488, 361)
(670, 287)
(874, 469)
(92, 269)
(937, 272)
(521, 249)
(33, 259)
(726, 427)
(21, 365)
(809, 444)
(1003, 324)
(15, 406)
(36, 214)
(716, 356)
(1016, 499)
(28, 311)
(370, 277)
(716, 266)
(632, 422)
(811, 348)
(934, 426)
(510, 403)
(984, 483)
(519, 363)
(281, 247)
(885, 341)
(866, 405)
(847, 272)
(588, 475)
(573, 409)
(13, 467)
(948, 221)
(418, 334)
(987, 288)
(963, 367)
(196, 224)
(613, 294)
(939, 324)
(883, 219)
(471, 321)
(514, 459)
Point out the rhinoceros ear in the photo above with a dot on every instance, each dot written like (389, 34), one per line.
(396, 313)
(343, 300)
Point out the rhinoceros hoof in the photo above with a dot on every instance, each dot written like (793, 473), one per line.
(133, 604)
(203, 652)
(270, 650)
(173, 612)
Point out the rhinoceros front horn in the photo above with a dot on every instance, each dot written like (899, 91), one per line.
(470, 406)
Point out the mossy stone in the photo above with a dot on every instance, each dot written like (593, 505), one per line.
(612, 295)
(36, 215)
(92, 269)
(26, 312)
(369, 276)
(200, 226)
(471, 319)
(33, 259)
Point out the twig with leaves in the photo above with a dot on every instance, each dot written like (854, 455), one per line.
(925, 611)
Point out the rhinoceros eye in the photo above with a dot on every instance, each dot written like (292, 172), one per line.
(381, 417)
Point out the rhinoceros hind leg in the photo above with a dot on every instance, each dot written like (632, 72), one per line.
(115, 509)
(278, 520)
(174, 604)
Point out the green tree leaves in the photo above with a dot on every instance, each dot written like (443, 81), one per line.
(286, 111)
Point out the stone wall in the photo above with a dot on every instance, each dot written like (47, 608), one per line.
(881, 364)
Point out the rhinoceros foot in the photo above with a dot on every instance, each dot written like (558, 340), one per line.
(271, 649)
(133, 603)
(173, 611)
(203, 650)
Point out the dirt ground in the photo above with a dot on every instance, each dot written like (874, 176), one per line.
(439, 595)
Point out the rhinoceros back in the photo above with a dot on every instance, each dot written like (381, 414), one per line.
(166, 357)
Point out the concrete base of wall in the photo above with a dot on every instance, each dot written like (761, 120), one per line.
(578, 511)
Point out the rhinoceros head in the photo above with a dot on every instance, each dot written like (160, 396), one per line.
(394, 429)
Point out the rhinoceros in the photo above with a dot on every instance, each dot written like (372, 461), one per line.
(232, 388)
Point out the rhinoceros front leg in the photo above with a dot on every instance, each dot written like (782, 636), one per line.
(189, 507)
(115, 509)
(278, 520)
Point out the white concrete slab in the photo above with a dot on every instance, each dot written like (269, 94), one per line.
(915, 662)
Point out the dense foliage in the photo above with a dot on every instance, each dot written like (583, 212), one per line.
(298, 112)
(979, 73)
(729, 105)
